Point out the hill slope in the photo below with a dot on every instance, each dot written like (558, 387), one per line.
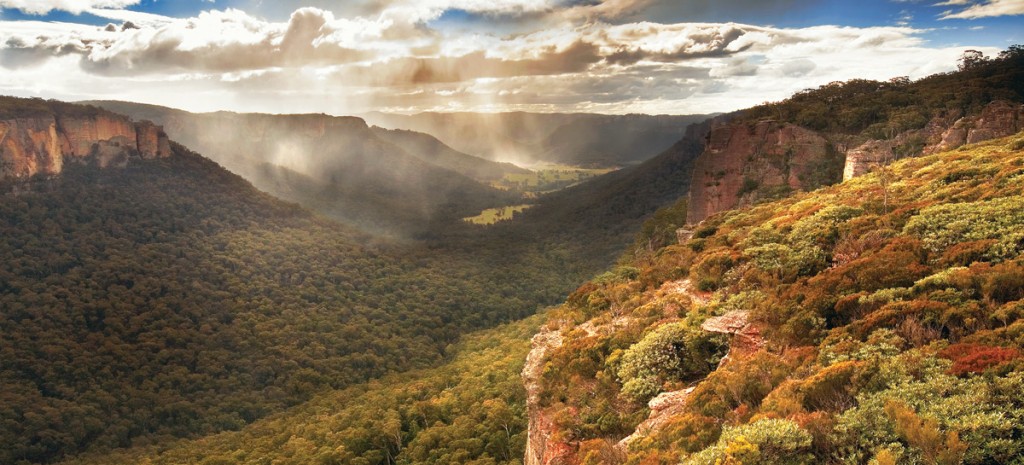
(433, 151)
(605, 213)
(850, 323)
(468, 410)
(171, 299)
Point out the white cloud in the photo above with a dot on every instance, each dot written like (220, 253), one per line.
(987, 9)
(135, 17)
(317, 62)
(41, 7)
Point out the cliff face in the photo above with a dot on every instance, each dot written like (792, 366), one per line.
(40, 144)
(29, 146)
(541, 447)
(944, 132)
(998, 119)
(745, 162)
(742, 162)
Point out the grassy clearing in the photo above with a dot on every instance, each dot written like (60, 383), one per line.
(494, 215)
(547, 178)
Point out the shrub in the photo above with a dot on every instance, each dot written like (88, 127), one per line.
(710, 269)
(767, 441)
(976, 358)
(942, 226)
(672, 352)
(1005, 283)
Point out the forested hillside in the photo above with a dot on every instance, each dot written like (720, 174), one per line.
(171, 299)
(468, 410)
(878, 320)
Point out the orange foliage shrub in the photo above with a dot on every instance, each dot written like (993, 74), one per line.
(976, 358)
(966, 253)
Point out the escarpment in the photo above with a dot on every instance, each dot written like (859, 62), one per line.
(999, 118)
(39, 138)
(745, 162)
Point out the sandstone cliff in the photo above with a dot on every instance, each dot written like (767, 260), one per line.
(38, 138)
(745, 162)
(1000, 118)
(547, 445)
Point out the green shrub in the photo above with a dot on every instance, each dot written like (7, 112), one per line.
(943, 226)
(672, 352)
(767, 441)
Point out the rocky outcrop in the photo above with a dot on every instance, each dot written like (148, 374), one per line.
(543, 445)
(540, 448)
(998, 119)
(862, 158)
(746, 338)
(944, 132)
(742, 160)
(663, 407)
(41, 144)
(29, 146)
(151, 140)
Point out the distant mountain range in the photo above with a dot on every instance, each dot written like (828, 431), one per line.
(579, 139)
(393, 182)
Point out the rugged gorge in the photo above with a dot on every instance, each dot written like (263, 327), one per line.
(38, 138)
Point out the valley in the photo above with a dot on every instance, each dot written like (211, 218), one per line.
(511, 233)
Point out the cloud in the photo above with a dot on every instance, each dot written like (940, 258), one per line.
(573, 59)
(990, 8)
(41, 7)
(214, 41)
(390, 57)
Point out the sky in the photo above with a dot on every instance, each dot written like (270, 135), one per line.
(601, 56)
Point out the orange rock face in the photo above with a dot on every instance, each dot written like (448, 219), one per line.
(740, 158)
(39, 145)
(82, 133)
(746, 338)
(29, 146)
(151, 140)
(998, 119)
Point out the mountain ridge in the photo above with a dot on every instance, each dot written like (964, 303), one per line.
(583, 139)
(361, 179)
(37, 137)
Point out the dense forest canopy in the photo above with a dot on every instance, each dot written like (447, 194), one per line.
(171, 299)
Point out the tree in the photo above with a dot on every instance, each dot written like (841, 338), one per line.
(971, 59)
